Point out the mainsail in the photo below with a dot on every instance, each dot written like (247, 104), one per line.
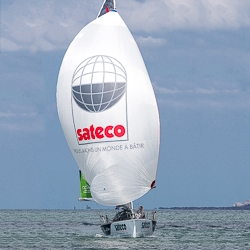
(108, 111)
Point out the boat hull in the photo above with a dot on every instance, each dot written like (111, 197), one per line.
(130, 228)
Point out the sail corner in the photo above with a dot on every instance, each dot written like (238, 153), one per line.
(152, 185)
(107, 6)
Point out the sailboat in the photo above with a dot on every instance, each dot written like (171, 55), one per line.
(109, 115)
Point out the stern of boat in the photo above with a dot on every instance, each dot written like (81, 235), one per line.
(106, 228)
(130, 228)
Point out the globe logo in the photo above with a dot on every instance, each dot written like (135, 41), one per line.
(98, 83)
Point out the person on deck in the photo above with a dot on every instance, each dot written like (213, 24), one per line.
(140, 213)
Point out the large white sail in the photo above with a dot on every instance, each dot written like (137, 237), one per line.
(108, 111)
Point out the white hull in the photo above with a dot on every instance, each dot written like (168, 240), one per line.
(130, 228)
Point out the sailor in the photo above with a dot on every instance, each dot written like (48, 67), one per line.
(140, 213)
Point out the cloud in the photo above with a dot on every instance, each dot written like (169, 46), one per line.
(165, 90)
(182, 14)
(194, 88)
(216, 96)
(47, 25)
(24, 105)
(8, 45)
(22, 119)
(51, 25)
(150, 41)
(6, 114)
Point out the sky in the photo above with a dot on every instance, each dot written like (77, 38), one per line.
(198, 57)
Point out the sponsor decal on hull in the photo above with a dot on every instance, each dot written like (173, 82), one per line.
(145, 225)
(120, 227)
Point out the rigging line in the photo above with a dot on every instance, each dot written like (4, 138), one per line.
(154, 202)
(104, 218)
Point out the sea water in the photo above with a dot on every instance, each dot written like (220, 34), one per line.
(80, 229)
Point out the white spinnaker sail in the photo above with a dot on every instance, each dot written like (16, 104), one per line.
(108, 111)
